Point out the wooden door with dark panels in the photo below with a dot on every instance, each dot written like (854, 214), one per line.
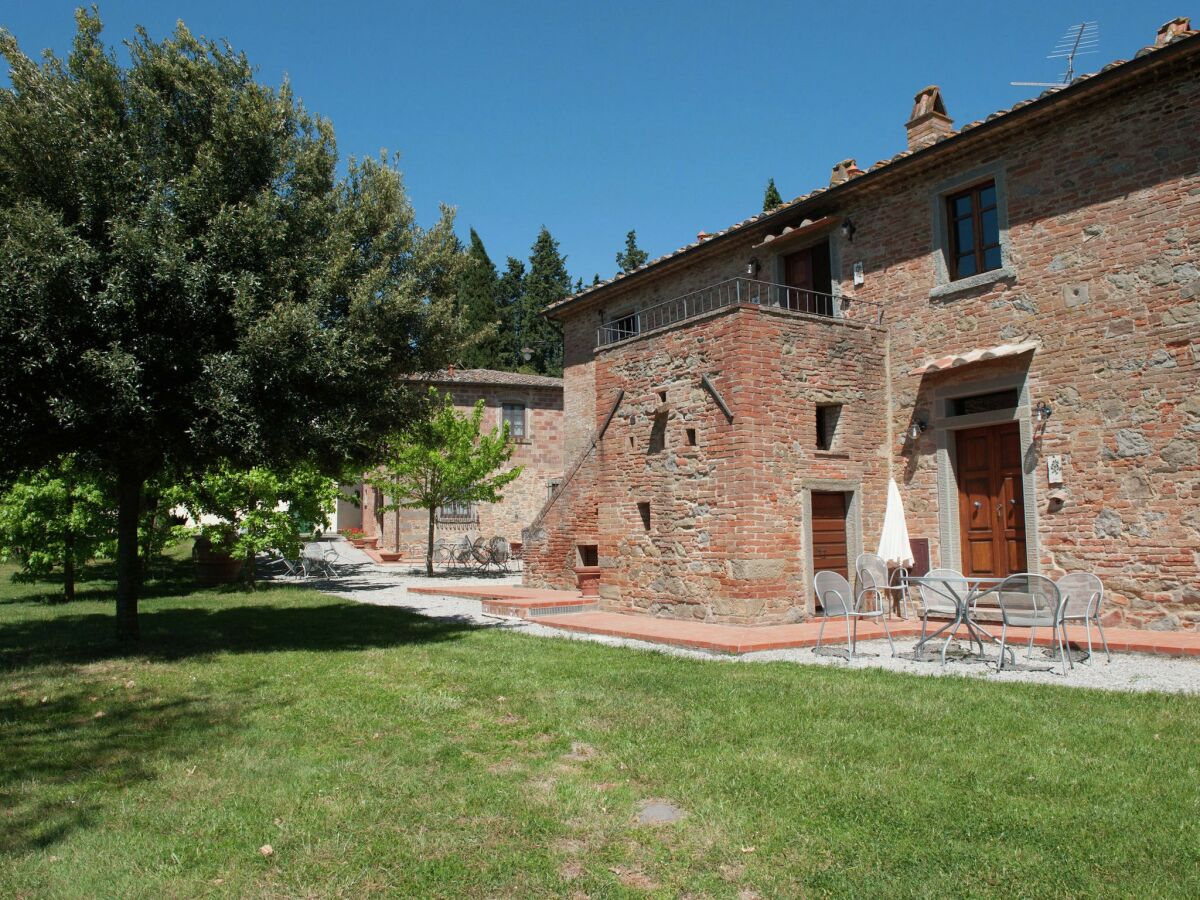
(991, 501)
(808, 271)
(829, 533)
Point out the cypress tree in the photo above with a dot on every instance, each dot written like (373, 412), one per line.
(771, 198)
(478, 306)
(633, 255)
(509, 290)
(546, 283)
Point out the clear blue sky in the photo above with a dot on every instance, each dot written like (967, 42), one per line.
(594, 119)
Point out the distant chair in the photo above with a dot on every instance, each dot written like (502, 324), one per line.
(500, 552)
(838, 601)
(1082, 596)
(1031, 601)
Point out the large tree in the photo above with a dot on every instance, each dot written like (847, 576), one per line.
(633, 255)
(547, 282)
(444, 458)
(184, 280)
(477, 299)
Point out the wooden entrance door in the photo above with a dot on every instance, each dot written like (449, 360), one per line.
(991, 501)
(829, 533)
(809, 272)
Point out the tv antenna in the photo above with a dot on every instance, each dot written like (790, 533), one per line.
(1080, 40)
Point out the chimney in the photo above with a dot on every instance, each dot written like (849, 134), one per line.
(844, 171)
(1177, 27)
(929, 121)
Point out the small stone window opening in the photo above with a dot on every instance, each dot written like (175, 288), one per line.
(631, 442)
(552, 485)
(644, 512)
(662, 396)
(589, 554)
(691, 437)
(658, 435)
(827, 422)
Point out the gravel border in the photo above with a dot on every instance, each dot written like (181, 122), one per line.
(368, 582)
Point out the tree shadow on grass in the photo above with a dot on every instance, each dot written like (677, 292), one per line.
(166, 576)
(64, 759)
(61, 764)
(225, 623)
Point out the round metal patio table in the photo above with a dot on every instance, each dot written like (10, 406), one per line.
(949, 588)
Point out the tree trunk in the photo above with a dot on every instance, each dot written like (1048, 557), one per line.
(69, 570)
(69, 545)
(248, 571)
(429, 546)
(151, 522)
(129, 571)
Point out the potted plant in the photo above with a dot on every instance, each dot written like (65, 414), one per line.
(355, 536)
(215, 561)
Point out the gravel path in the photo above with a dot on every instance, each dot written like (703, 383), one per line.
(388, 586)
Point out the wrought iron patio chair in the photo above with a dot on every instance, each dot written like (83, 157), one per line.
(1031, 601)
(838, 601)
(1082, 596)
(501, 553)
(934, 602)
(871, 574)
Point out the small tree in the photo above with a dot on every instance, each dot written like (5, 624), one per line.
(442, 459)
(57, 517)
(633, 255)
(771, 198)
(259, 509)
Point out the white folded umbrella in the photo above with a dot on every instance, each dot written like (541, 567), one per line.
(894, 548)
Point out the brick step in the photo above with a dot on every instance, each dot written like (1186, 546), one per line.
(532, 609)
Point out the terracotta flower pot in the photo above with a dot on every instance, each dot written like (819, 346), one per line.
(391, 556)
(588, 579)
(215, 567)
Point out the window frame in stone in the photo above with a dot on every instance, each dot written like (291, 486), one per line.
(945, 287)
(505, 419)
(460, 512)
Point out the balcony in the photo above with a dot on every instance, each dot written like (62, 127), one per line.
(736, 292)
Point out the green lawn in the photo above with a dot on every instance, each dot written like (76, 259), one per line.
(379, 752)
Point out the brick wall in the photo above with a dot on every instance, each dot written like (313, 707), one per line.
(1102, 203)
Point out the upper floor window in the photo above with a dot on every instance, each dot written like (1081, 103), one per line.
(456, 511)
(514, 417)
(973, 219)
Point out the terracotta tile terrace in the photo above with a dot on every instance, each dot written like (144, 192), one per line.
(570, 611)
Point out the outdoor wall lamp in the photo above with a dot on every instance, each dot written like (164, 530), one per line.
(848, 229)
(1042, 412)
(917, 429)
(752, 267)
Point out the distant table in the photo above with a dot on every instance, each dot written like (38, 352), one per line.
(962, 591)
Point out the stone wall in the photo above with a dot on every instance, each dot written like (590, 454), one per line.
(540, 455)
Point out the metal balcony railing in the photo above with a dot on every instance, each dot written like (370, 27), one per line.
(734, 292)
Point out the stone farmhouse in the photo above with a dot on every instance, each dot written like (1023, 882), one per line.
(532, 405)
(1004, 317)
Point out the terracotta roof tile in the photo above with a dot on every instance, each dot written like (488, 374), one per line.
(489, 376)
